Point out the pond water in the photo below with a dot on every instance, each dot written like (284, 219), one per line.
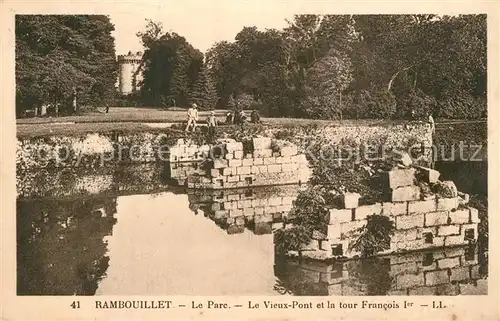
(128, 241)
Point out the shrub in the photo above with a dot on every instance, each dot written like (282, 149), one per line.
(375, 236)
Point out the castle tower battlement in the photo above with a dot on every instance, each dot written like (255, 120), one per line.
(130, 72)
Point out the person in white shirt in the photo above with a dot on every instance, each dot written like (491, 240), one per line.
(433, 125)
(192, 114)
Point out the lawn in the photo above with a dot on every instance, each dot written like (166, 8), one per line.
(130, 119)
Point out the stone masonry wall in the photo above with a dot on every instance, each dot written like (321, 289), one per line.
(256, 162)
(426, 212)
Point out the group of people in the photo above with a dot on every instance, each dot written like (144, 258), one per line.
(238, 118)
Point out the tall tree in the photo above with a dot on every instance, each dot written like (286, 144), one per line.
(56, 53)
(171, 67)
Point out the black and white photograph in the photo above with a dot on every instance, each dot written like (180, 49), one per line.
(165, 152)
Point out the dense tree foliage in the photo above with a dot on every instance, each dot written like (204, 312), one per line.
(59, 54)
(174, 70)
(360, 66)
(319, 66)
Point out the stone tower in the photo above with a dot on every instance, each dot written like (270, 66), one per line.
(130, 72)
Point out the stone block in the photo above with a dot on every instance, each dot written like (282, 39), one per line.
(447, 204)
(259, 210)
(235, 212)
(270, 209)
(436, 218)
(289, 150)
(334, 232)
(454, 252)
(447, 289)
(336, 216)
(247, 162)
(363, 211)
(453, 240)
(408, 280)
(446, 230)
(269, 160)
(400, 177)
(220, 163)
(234, 162)
(474, 272)
(215, 172)
(275, 201)
(238, 154)
(239, 220)
(261, 143)
(350, 200)
(288, 167)
(229, 156)
(248, 211)
(436, 277)
(404, 268)
(406, 222)
(284, 208)
(261, 153)
(459, 274)
(325, 245)
(244, 203)
(460, 216)
(258, 161)
(244, 170)
(288, 200)
(233, 178)
(221, 214)
(234, 146)
(262, 169)
(474, 215)
(316, 255)
(448, 263)
(428, 175)
(233, 197)
(276, 168)
(405, 193)
(404, 235)
(423, 290)
(394, 208)
(266, 218)
(226, 171)
(277, 226)
(422, 206)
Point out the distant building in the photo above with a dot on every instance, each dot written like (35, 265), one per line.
(130, 72)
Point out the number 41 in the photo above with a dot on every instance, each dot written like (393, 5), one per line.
(75, 305)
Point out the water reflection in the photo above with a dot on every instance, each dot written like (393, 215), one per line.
(259, 210)
(60, 245)
(451, 271)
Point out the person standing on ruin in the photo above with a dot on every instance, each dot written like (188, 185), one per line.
(212, 125)
(192, 115)
(432, 123)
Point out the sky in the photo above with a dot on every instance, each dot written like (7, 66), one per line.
(201, 23)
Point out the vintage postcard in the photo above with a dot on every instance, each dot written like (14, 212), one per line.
(239, 160)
